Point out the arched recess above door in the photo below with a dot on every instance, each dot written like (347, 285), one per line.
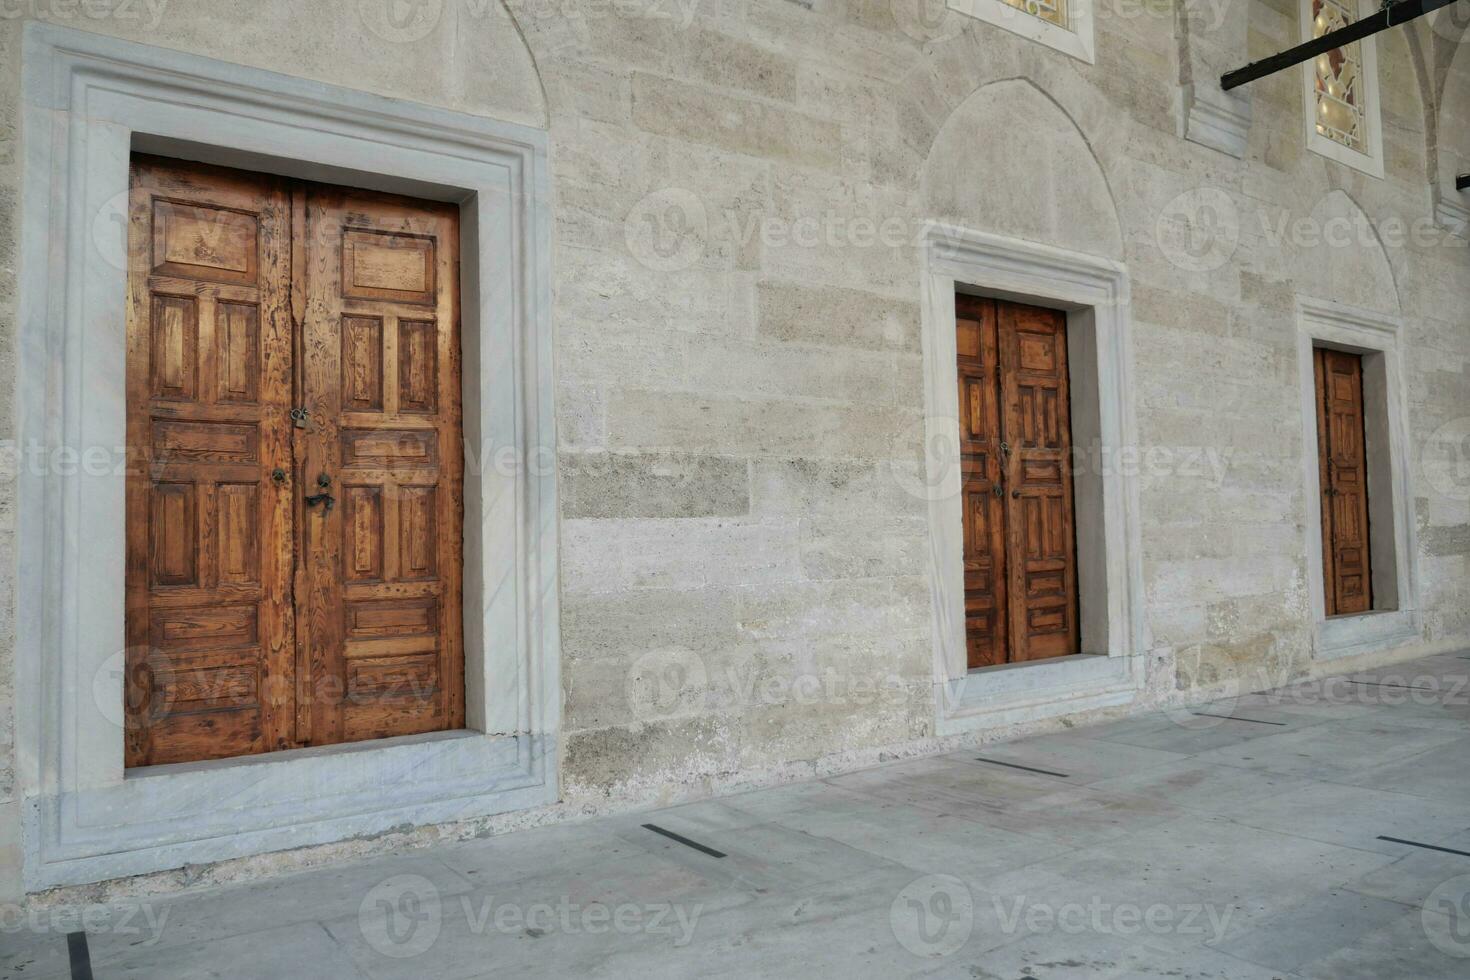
(1010, 161)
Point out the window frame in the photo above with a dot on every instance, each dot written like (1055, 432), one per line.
(1371, 162)
(1075, 40)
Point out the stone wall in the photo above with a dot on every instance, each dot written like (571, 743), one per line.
(738, 190)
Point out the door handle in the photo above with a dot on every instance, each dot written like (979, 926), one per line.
(321, 498)
(323, 481)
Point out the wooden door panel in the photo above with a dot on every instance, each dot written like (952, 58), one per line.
(380, 580)
(209, 618)
(1347, 572)
(204, 241)
(362, 363)
(1041, 540)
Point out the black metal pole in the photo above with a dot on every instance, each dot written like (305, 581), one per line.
(1392, 15)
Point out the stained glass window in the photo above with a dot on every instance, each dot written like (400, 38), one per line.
(1052, 11)
(1339, 81)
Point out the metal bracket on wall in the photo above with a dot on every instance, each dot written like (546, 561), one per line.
(1394, 13)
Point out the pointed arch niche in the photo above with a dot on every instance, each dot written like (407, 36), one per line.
(1048, 235)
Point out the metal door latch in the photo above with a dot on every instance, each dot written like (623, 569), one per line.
(324, 498)
(301, 418)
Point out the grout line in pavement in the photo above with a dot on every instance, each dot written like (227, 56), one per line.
(683, 840)
(1427, 847)
(1254, 721)
(79, 955)
(1012, 765)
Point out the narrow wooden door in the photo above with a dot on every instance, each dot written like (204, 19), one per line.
(294, 494)
(1016, 451)
(211, 641)
(1347, 571)
(987, 615)
(1042, 549)
(379, 583)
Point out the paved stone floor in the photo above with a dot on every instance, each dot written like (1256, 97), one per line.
(1181, 845)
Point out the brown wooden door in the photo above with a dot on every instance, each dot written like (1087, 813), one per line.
(211, 641)
(379, 595)
(1038, 428)
(256, 622)
(1016, 449)
(987, 615)
(1347, 572)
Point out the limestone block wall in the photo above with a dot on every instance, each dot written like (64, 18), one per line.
(739, 190)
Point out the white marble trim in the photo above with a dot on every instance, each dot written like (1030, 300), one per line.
(1391, 479)
(88, 101)
(1094, 292)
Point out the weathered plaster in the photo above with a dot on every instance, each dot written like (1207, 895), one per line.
(739, 373)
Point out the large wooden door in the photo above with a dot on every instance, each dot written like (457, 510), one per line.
(1016, 447)
(1038, 428)
(294, 496)
(379, 594)
(1347, 572)
(211, 640)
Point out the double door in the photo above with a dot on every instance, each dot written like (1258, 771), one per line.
(294, 495)
(1017, 495)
